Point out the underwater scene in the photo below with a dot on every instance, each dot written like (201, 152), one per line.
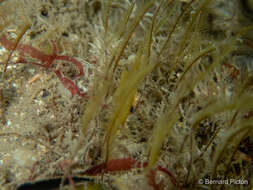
(126, 94)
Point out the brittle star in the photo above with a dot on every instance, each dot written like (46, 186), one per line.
(47, 61)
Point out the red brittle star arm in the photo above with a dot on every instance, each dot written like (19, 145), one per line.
(70, 85)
